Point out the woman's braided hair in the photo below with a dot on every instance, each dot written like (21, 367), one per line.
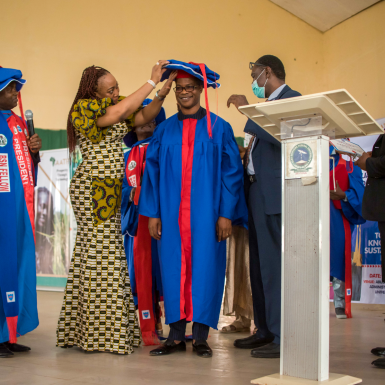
(87, 90)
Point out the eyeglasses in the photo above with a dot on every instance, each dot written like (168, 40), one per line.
(179, 89)
(251, 65)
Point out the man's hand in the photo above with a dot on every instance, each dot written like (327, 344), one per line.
(338, 194)
(167, 86)
(224, 228)
(242, 151)
(361, 161)
(237, 100)
(132, 194)
(155, 228)
(34, 143)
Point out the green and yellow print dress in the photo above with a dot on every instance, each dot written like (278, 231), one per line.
(98, 311)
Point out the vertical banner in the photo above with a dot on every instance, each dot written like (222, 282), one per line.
(53, 215)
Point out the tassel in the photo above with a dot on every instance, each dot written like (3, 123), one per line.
(150, 338)
(12, 329)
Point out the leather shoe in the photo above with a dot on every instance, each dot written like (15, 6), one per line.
(202, 349)
(16, 348)
(5, 352)
(380, 352)
(269, 351)
(169, 347)
(379, 363)
(252, 342)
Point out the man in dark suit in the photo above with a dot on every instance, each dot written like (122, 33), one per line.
(263, 179)
(373, 206)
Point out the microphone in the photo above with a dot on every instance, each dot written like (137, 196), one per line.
(31, 128)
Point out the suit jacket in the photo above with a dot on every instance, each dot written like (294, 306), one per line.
(266, 157)
(373, 204)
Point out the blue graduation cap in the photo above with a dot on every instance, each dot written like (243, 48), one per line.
(8, 75)
(131, 138)
(198, 70)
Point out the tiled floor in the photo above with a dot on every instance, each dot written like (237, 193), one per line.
(350, 344)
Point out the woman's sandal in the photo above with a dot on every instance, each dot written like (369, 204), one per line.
(235, 327)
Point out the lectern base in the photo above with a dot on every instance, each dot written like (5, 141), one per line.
(334, 379)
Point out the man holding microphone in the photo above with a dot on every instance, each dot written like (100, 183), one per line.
(19, 156)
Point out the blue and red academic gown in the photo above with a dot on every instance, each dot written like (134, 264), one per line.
(189, 182)
(141, 250)
(343, 217)
(18, 304)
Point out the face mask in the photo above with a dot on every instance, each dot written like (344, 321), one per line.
(259, 92)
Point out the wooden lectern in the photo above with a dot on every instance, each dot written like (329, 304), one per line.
(305, 125)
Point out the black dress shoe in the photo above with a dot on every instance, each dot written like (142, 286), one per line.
(380, 352)
(169, 347)
(379, 363)
(5, 352)
(252, 342)
(269, 351)
(16, 348)
(203, 349)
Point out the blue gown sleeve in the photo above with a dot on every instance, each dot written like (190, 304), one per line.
(232, 202)
(149, 205)
(352, 209)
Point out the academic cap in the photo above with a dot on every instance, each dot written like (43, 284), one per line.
(131, 138)
(8, 75)
(199, 71)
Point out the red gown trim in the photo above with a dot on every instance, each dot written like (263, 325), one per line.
(142, 252)
(342, 176)
(188, 139)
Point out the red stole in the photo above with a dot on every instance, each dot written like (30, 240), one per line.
(24, 162)
(142, 251)
(342, 177)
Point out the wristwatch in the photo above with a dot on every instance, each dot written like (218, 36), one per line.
(159, 97)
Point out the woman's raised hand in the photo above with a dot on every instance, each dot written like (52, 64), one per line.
(167, 86)
(158, 70)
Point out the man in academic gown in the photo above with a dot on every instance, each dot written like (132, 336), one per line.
(141, 250)
(263, 180)
(192, 190)
(345, 212)
(18, 160)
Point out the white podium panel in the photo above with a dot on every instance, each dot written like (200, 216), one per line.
(305, 259)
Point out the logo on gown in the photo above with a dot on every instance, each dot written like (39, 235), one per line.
(132, 179)
(15, 130)
(132, 165)
(301, 157)
(146, 314)
(3, 140)
(19, 128)
(10, 296)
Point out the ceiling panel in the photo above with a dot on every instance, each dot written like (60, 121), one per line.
(324, 14)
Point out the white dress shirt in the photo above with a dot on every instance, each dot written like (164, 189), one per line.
(250, 166)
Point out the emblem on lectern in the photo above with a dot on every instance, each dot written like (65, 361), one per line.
(300, 157)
